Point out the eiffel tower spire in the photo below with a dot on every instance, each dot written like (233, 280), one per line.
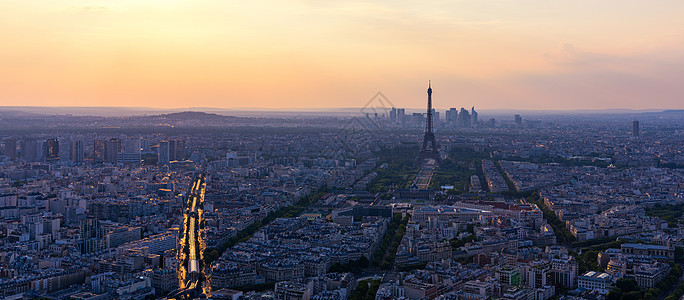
(429, 147)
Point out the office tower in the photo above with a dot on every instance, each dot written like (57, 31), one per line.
(51, 149)
(416, 119)
(11, 148)
(635, 128)
(518, 120)
(464, 118)
(99, 150)
(131, 146)
(164, 149)
(29, 150)
(66, 151)
(452, 116)
(492, 122)
(112, 148)
(34, 224)
(435, 117)
(564, 271)
(131, 152)
(77, 151)
(172, 150)
(140, 142)
(508, 276)
(447, 116)
(92, 236)
(401, 114)
(473, 116)
(539, 274)
(52, 225)
(180, 150)
(122, 235)
(40, 151)
(73, 215)
(393, 115)
(144, 144)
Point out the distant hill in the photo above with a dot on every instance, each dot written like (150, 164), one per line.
(195, 115)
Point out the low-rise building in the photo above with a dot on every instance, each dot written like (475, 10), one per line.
(595, 281)
(292, 290)
(648, 275)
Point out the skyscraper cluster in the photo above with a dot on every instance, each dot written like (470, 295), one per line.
(462, 118)
(73, 150)
(106, 150)
(171, 151)
(51, 149)
(114, 150)
(452, 119)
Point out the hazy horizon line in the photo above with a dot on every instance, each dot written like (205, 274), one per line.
(316, 109)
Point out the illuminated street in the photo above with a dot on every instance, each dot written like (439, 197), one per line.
(192, 279)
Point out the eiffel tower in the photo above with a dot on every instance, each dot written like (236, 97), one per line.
(429, 149)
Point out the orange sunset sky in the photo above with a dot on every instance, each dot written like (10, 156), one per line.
(524, 54)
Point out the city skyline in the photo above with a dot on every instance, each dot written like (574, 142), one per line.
(349, 150)
(319, 54)
(197, 205)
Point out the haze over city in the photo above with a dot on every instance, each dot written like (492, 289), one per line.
(550, 55)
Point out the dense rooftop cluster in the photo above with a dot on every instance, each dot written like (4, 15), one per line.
(336, 207)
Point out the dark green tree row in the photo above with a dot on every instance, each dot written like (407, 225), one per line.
(294, 210)
(677, 293)
(670, 213)
(509, 182)
(512, 191)
(458, 243)
(563, 236)
(366, 290)
(384, 256)
(588, 261)
(562, 161)
(354, 266)
(411, 267)
(602, 243)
